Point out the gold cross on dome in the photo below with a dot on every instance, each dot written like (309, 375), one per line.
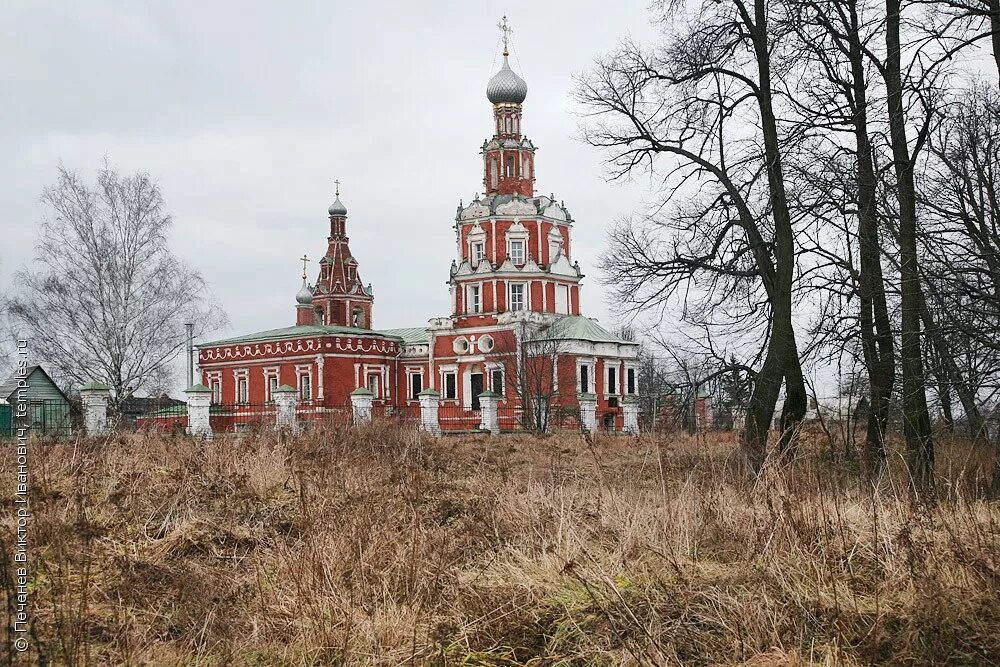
(337, 182)
(305, 259)
(505, 31)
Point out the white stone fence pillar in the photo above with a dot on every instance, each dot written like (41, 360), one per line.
(588, 412)
(361, 405)
(630, 414)
(199, 401)
(429, 401)
(286, 402)
(488, 402)
(95, 397)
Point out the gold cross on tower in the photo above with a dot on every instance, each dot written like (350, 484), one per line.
(337, 182)
(505, 31)
(305, 259)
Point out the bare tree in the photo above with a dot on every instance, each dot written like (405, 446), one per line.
(530, 359)
(695, 102)
(837, 37)
(106, 299)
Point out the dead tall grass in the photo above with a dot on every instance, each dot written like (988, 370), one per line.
(384, 547)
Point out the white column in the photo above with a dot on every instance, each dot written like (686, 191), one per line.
(95, 397)
(361, 404)
(588, 412)
(286, 401)
(429, 401)
(488, 402)
(199, 400)
(630, 414)
(319, 380)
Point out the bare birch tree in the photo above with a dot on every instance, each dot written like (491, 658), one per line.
(106, 299)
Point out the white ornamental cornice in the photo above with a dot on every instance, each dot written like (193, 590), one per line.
(311, 345)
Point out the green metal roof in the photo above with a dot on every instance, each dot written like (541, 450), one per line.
(410, 335)
(302, 330)
(578, 327)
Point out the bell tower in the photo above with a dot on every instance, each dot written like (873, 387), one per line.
(340, 297)
(509, 157)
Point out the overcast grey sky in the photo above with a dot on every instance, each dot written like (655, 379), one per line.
(247, 112)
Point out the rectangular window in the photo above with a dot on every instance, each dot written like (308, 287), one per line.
(305, 387)
(474, 301)
(450, 386)
(630, 380)
(272, 386)
(416, 385)
(612, 380)
(374, 384)
(517, 251)
(478, 252)
(241, 390)
(516, 296)
(496, 381)
(584, 379)
(216, 392)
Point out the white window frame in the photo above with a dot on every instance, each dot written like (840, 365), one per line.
(610, 368)
(304, 372)
(474, 298)
(241, 386)
(414, 373)
(497, 368)
(523, 245)
(524, 296)
(590, 388)
(635, 381)
(453, 372)
(271, 375)
(214, 379)
(478, 252)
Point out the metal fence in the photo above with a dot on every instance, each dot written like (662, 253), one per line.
(408, 414)
(236, 417)
(454, 417)
(49, 417)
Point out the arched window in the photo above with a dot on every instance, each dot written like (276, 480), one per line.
(358, 319)
(493, 172)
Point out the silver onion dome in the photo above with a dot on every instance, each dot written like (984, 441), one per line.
(338, 208)
(305, 294)
(506, 86)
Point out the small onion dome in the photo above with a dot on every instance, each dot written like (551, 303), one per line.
(338, 208)
(506, 87)
(305, 295)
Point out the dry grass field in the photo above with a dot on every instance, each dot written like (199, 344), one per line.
(380, 546)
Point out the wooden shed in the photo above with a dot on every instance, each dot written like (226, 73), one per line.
(47, 409)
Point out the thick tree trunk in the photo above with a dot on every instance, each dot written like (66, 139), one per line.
(876, 327)
(916, 420)
(782, 361)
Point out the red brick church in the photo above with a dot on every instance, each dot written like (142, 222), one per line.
(515, 327)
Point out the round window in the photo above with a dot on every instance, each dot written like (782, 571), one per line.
(485, 343)
(461, 346)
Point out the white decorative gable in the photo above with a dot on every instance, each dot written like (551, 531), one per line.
(517, 207)
(475, 210)
(562, 267)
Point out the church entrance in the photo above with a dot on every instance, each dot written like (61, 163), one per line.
(476, 380)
